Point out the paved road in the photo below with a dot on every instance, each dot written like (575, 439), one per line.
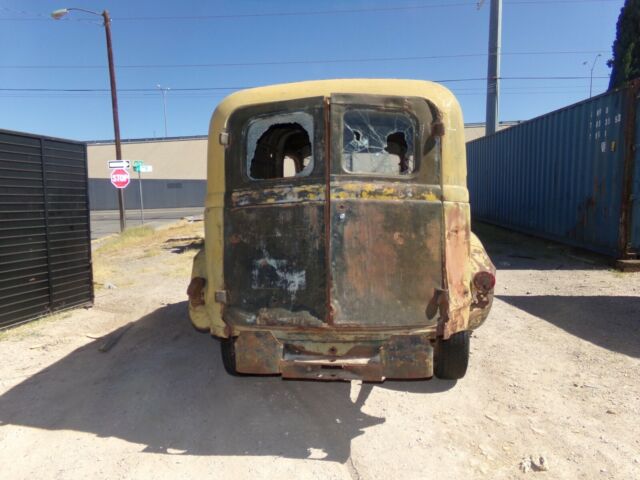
(106, 222)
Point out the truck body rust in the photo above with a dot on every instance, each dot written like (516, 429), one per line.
(338, 242)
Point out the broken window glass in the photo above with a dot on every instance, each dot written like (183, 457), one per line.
(280, 146)
(378, 142)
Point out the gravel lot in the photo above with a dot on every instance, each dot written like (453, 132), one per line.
(554, 373)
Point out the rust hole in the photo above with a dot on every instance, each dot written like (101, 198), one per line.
(333, 350)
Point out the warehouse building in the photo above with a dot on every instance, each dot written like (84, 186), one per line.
(472, 131)
(177, 179)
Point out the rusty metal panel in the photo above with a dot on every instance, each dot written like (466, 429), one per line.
(563, 175)
(275, 260)
(457, 258)
(386, 261)
(386, 228)
(45, 249)
(408, 356)
(397, 356)
(274, 255)
(258, 353)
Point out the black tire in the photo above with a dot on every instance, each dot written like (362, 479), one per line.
(452, 356)
(228, 351)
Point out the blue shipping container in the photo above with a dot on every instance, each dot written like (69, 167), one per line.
(572, 175)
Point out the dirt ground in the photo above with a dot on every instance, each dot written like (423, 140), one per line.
(554, 373)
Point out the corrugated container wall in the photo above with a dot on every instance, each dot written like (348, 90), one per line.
(45, 242)
(572, 175)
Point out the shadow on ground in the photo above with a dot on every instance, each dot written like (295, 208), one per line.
(609, 322)
(511, 250)
(163, 386)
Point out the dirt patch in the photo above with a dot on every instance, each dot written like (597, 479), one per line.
(554, 375)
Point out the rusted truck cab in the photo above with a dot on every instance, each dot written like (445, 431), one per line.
(337, 233)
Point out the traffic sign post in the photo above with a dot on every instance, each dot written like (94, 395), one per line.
(120, 179)
(139, 166)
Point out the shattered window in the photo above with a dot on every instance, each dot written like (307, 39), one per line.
(279, 146)
(378, 142)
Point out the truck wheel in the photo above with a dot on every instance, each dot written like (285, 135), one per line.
(452, 356)
(228, 351)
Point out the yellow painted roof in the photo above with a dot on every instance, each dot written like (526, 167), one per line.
(441, 96)
(454, 167)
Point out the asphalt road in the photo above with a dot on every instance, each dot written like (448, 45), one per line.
(106, 222)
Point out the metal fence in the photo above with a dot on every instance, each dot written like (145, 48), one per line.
(572, 175)
(45, 243)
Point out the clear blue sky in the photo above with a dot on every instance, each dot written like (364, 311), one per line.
(379, 38)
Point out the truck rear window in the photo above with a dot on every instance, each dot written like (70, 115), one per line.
(280, 146)
(378, 142)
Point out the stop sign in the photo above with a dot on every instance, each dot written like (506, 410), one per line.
(119, 178)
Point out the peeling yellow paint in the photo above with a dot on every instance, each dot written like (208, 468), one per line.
(430, 197)
(339, 196)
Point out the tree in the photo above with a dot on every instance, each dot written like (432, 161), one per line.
(625, 63)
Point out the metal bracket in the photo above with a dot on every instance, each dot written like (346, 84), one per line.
(221, 296)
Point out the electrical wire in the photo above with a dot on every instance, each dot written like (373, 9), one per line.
(39, 17)
(218, 92)
(300, 62)
(197, 89)
(212, 96)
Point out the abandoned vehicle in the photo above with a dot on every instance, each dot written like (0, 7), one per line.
(337, 233)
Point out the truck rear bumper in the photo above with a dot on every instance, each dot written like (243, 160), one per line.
(397, 356)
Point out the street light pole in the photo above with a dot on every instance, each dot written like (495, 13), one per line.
(591, 76)
(163, 92)
(58, 14)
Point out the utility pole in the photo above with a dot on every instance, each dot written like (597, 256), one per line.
(493, 70)
(57, 15)
(114, 108)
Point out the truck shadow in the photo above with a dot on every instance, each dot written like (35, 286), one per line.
(510, 250)
(609, 322)
(163, 386)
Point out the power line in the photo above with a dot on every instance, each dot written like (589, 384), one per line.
(100, 93)
(348, 11)
(479, 93)
(300, 13)
(23, 12)
(282, 13)
(119, 90)
(301, 62)
(200, 89)
(39, 17)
